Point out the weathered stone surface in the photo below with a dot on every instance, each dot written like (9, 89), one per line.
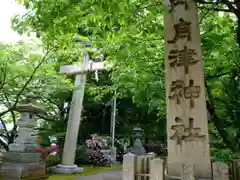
(20, 157)
(152, 155)
(66, 169)
(22, 162)
(157, 169)
(70, 143)
(22, 171)
(187, 124)
(187, 172)
(138, 148)
(26, 140)
(129, 166)
(220, 171)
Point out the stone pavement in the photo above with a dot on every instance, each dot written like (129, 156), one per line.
(99, 176)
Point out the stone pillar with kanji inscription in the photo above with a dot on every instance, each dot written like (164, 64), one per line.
(187, 124)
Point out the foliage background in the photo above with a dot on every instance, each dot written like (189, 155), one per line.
(129, 34)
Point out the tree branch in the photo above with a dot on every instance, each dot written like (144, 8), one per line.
(3, 77)
(217, 75)
(14, 130)
(46, 118)
(4, 145)
(231, 7)
(30, 78)
(4, 127)
(215, 9)
(25, 85)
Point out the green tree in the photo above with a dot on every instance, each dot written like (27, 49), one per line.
(25, 69)
(129, 34)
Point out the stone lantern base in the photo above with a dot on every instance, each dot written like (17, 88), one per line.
(22, 166)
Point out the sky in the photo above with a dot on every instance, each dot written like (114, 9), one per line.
(8, 8)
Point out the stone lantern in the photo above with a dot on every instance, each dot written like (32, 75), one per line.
(22, 161)
(26, 140)
(138, 148)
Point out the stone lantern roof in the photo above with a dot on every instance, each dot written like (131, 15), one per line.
(29, 104)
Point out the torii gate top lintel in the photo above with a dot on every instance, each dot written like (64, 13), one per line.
(81, 68)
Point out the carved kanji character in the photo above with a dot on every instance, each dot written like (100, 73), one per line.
(189, 133)
(182, 58)
(176, 90)
(179, 2)
(179, 129)
(193, 133)
(192, 92)
(182, 30)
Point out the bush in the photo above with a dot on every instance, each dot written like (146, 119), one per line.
(82, 155)
(157, 147)
(120, 150)
(43, 141)
(222, 155)
(52, 160)
(43, 151)
(107, 141)
(98, 157)
(46, 151)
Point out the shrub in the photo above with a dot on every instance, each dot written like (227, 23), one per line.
(43, 141)
(223, 155)
(46, 151)
(120, 150)
(52, 160)
(43, 151)
(157, 147)
(98, 156)
(82, 155)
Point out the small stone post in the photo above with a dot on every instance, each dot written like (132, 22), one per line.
(220, 171)
(187, 171)
(157, 169)
(22, 161)
(129, 164)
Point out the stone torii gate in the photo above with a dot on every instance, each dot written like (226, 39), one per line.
(74, 119)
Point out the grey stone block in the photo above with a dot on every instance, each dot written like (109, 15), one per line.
(21, 157)
(23, 171)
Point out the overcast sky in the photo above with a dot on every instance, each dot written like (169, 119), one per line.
(8, 8)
